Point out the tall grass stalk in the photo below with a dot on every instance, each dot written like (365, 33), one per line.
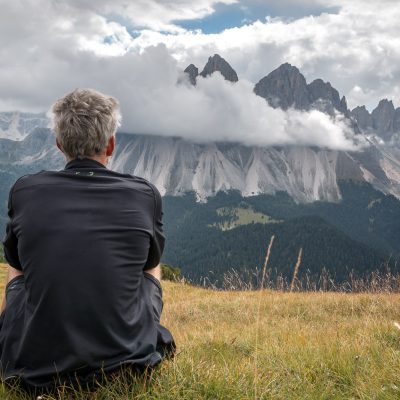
(296, 269)
(264, 272)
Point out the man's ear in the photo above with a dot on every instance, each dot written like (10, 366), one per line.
(110, 146)
(59, 146)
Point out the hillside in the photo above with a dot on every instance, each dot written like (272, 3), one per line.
(359, 233)
(309, 346)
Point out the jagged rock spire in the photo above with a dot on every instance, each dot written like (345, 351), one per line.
(214, 64)
(193, 72)
(217, 63)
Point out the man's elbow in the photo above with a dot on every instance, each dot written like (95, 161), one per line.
(11, 274)
(156, 272)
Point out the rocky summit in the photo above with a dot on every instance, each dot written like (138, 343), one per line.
(214, 64)
(286, 87)
(384, 119)
(193, 72)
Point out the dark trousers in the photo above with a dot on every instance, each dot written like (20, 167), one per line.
(15, 303)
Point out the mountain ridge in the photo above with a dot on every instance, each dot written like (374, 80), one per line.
(286, 87)
(177, 166)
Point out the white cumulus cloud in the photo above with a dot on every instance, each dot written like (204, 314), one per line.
(84, 44)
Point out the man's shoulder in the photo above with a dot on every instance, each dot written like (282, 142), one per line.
(26, 179)
(104, 176)
(134, 180)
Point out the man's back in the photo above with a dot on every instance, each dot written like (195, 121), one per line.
(84, 235)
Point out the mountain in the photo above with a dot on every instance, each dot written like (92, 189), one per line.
(214, 64)
(384, 119)
(16, 125)
(193, 72)
(363, 117)
(286, 87)
(341, 206)
(177, 166)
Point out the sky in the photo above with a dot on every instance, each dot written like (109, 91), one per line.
(137, 50)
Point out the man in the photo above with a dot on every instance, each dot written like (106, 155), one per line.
(83, 296)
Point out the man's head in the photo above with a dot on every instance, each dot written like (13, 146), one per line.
(85, 122)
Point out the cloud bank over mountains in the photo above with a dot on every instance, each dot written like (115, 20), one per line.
(137, 53)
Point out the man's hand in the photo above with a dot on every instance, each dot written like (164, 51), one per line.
(11, 274)
(156, 272)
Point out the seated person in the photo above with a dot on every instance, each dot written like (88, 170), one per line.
(83, 296)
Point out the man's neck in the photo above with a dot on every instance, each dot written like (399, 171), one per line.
(102, 159)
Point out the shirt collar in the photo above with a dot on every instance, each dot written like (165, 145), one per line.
(83, 163)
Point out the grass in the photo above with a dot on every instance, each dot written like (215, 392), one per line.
(310, 346)
(241, 216)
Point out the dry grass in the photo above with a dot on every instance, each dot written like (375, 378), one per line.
(296, 269)
(310, 346)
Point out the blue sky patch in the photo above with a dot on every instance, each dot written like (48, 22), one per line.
(236, 15)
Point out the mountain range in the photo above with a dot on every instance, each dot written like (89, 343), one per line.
(306, 175)
(178, 166)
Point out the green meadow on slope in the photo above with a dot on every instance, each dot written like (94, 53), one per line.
(298, 346)
(239, 216)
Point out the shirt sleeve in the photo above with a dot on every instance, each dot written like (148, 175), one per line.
(10, 242)
(157, 241)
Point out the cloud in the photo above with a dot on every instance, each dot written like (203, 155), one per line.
(357, 46)
(75, 44)
(153, 102)
(157, 15)
(218, 110)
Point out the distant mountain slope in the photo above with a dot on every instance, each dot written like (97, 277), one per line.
(358, 234)
(177, 166)
(16, 125)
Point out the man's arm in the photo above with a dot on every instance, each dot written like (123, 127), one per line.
(156, 272)
(157, 241)
(11, 274)
(10, 244)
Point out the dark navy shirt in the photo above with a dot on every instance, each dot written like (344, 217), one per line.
(82, 237)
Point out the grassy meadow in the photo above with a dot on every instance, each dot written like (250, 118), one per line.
(270, 345)
(241, 216)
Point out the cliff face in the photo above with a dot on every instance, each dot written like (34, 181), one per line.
(177, 166)
(284, 87)
(17, 125)
(384, 119)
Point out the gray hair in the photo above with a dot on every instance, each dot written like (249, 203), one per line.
(84, 121)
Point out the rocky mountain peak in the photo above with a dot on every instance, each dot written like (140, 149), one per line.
(362, 116)
(343, 103)
(284, 87)
(217, 63)
(383, 118)
(326, 98)
(396, 120)
(193, 72)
